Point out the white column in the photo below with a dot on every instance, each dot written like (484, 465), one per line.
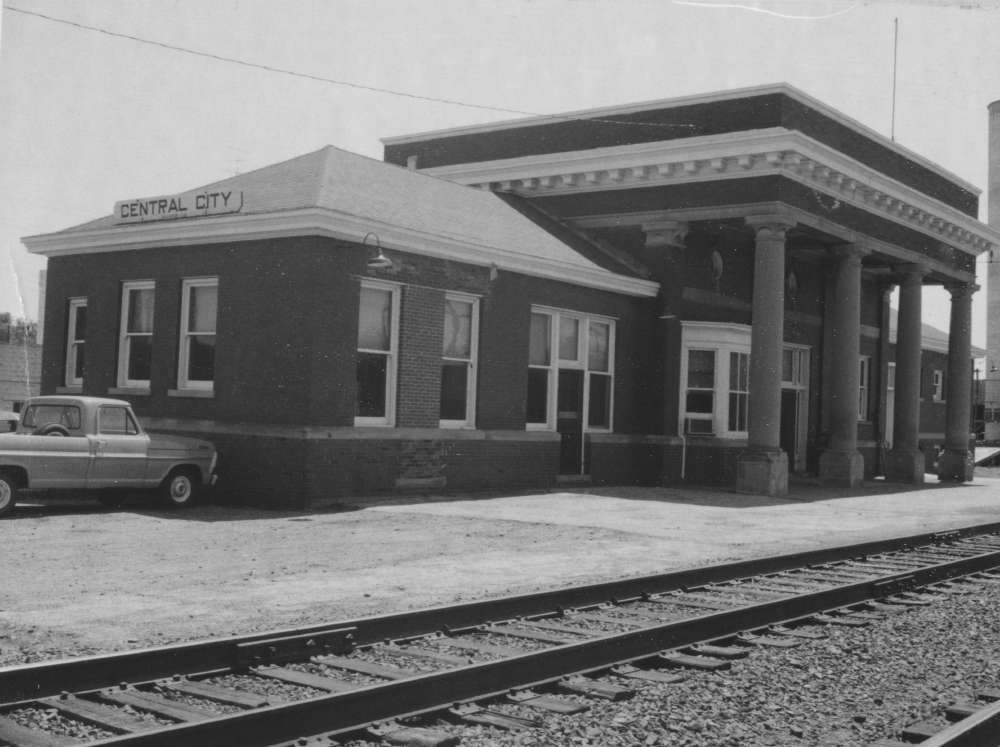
(763, 468)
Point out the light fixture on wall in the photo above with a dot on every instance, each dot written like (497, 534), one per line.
(379, 261)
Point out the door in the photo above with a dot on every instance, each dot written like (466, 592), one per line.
(569, 421)
(120, 450)
(789, 425)
(890, 405)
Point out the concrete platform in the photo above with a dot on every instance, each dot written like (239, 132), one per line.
(80, 577)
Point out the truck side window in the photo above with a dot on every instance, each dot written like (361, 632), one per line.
(116, 421)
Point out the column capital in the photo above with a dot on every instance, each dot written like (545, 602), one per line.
(665, 233)
(850, 252)
(959, 290)
(771, 225)
(910, 272)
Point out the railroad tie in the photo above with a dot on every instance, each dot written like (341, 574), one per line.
(649, 675)
(218, 693)
(531, 699)
(768, 640)
(412, 736)
(473, 714)
(103, 716)
(366, 667)
(161, 706)
(304, 679)
(517, 631)
(419, 653)
(706, 663)
(920, 731)
(492, 649)
(595, 688)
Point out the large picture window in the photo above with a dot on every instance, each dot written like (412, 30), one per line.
(458, 361)
(378, 343)
(135, 343)
(564, 340)
(199, 309)
(76, 338)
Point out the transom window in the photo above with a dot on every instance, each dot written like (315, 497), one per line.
(378, 345)
(199, 309)
(76, 336)
(459, 354)
(135, 344)
(564, 340)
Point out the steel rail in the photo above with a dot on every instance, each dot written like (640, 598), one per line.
(44, 679)
(981, 729)
(349, 711)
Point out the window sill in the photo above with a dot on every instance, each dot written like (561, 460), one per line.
(193, 393)
(134, 391)
(69, 390)
(455, 425)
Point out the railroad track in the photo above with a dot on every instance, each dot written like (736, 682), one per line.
(553, 651)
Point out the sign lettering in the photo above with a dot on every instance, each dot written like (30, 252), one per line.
(190, 205)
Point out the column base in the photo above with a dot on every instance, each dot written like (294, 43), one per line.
(905, 465)
(956, 465)
(763, 472)
(845, 468)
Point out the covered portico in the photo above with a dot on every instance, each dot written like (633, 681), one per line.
(775, 226)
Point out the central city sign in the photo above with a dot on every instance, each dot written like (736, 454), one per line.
(191, 205)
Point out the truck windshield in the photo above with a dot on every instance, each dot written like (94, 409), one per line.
(37, 416)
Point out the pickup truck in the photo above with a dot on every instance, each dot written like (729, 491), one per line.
(95, 443)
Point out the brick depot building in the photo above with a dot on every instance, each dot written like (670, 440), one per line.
(685, 290)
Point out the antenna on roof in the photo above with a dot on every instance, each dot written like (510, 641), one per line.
(895, 50)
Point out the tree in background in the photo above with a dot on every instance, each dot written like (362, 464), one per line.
(20, 331)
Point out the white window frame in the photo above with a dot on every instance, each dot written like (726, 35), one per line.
(580, 363)
(392, 355)
(472, 363)
(722, 339)
(73, 342)
(864, 388)
(183, 357)
(937, 385)
(125, 339)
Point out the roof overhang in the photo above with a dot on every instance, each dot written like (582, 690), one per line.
(612, 112)
(331, 224)
(738, 155)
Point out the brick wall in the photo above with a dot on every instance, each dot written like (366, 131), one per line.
(421, 331)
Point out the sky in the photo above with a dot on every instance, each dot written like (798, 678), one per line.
(89, 118)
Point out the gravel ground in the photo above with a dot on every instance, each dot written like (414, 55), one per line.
(852, 688)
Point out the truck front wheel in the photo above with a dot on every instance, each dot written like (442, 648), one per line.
(180, 488)
(8, 494)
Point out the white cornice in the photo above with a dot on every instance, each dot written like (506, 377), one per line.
(702, 98)
(330, 224)
(835, 178)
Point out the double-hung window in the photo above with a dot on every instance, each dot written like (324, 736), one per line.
(135, 342)
(563, 340)
(378, 345)
(199, 309)
(458, 361)
(76, 337)
(715, 380)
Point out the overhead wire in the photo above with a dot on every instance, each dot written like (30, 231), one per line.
(337, 81)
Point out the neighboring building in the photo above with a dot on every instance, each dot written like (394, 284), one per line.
(20, 373)
(686, 290)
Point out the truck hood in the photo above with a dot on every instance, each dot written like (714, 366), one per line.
(194, 446)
